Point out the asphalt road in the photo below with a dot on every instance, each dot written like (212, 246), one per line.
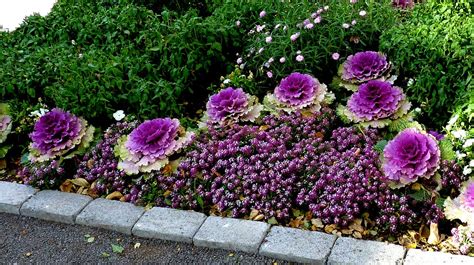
(26, 240)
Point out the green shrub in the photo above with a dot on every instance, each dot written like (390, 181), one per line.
(95, 58)
(435, 46)
(316, 45)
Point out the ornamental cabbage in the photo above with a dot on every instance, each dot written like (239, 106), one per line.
(410, 155)
(232, 105)
(5, 127)
(57, 133)
(149, 146)
(365, 66)
(297, 91)
(376, 103)
(462, 207)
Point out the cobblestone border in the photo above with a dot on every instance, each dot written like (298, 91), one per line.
(283, 243)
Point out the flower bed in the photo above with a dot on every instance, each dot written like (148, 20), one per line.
(349, 158)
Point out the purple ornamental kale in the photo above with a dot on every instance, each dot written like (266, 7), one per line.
(298, 91)
(232, 105)
(56, 133)
(364, 66)
(411, 154)
(375, 100)
(5, 127)
(148, 146)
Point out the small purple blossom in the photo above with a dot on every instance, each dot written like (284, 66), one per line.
(282, 60)
(262, 14)
(317, 20)
(309, 26)
(268, 39)
(437, 135)
(239, 60)
(403, 4)
(269, 74)
(295, 36)
(410, 155)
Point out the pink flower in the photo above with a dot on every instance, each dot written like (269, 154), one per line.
(335, 56)
(260, 28)
(282, 60)
(269, 74)
(353, 1)
(239, 60)
(268, 39)
(237, 23)
(306, 22)
(262, 14)
(317, 20)
(271, 60)
(309, 26)
(362, 13)
(314, 15)
(295, 36)
(354, 22)
(346, 26)
(299, 58)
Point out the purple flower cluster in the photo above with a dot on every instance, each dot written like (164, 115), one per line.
(46, 175)
(365, 66)
(376, 100)
(56, 133)
(252, 167)
(99, 165)
(410, 155)
(232, 105)
(148, 146)
(344, 181)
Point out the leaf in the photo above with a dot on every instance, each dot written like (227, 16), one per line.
(114, 195)
(272, 221)
(105, 255)
(434, 238)
(380, 145)
(80, 182)
(200, 201)
(117, 248)
(137, 245)
(420, 195)
(446, 147)
(90, 239)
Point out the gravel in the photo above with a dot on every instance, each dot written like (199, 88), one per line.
(27, 240)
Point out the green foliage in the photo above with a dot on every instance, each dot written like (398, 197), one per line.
(285, 18)
(94, 58)
(435, 45)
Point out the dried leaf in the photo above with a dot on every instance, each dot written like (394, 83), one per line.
(356, 227)
(317, 222)
(114, 195)
(66, 186)
(253, 214)
(259, 217)
(167, 193)
(137, 245)
(347, 231)
(80, 182)
(329, 228)
(357, 234)
(433, 238)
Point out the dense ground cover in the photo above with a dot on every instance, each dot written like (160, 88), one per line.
(307, 124)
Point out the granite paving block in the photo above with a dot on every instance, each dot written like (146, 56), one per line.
(13, 195)
(355, 251)
(231, 234)
(111, 215)
(169, 224)
(420, 257)
(297, 245)
(55, 206)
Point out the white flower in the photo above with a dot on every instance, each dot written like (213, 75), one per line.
(418, 110)
(268, 39)
(260, 50)
(239, 60)
(345, 25)
(282, 60)
(38, 113)
(119, 115)
(471, 164)
(277, 26)
(298, 52)
(80, 55)
(459, 134)
(453, 120)
(326, 8)
(468, 143)
(73, 42)
(260, 28)
(227, 81)
(242, 66)
(362, 13)
(467, 170)
(460, 155)
(285, 27)
(237, 23)
(271, 60)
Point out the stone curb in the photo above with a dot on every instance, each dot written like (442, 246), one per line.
(283, 243)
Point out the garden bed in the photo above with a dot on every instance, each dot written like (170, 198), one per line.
(360, 156)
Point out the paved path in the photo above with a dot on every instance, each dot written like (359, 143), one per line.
(28, 240)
